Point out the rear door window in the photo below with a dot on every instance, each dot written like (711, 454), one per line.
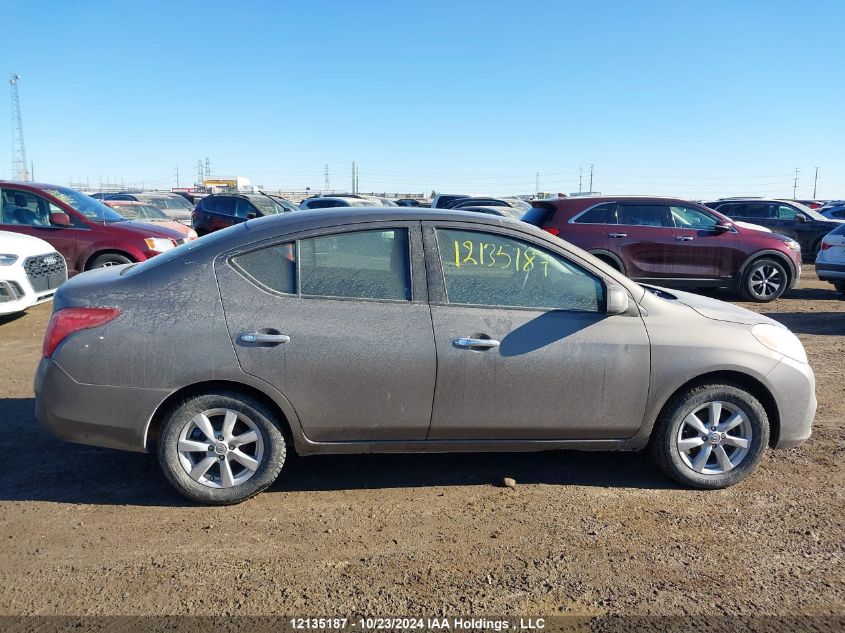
(225, 205)
(601, 214)
(357, 264)
(273, 267)
(642, 215)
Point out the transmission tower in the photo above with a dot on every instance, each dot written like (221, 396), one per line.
(20, 170)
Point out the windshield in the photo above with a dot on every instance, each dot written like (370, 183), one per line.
(267, 206)
(92, 209)
(166, 203)
(139, 211)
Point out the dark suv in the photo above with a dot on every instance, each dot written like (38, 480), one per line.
(671, 242)
(220, 210)
(788, 217)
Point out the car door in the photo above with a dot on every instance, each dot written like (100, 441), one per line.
(338, 321)
(700, 250)
(25, 212)
(525, 350)
(803, 231)
(643, 239)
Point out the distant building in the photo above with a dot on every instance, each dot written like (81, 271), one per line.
(225, 184)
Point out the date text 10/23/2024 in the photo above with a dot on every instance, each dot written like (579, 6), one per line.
(417, 624)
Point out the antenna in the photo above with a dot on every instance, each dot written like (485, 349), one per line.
(19, 166)
(815, 182)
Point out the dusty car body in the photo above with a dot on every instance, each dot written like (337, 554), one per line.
(395, 330)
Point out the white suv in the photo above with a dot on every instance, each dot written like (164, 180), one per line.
(30, 271)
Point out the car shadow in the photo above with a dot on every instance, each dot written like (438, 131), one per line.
(9, 318)
(40, 467)
(824, 323)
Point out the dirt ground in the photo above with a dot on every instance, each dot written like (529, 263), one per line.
(93, 531)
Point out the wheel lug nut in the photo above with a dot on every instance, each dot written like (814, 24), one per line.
(211, 448)
(220, 458)
(220, 437)
(231, 447)
(712, 428)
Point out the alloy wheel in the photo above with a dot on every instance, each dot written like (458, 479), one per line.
(766, 280)
(714, 438)
(220, 448)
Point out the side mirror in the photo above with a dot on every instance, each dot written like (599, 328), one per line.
(251, 216)
(724, 227)
(801, 219)
(59, 219)
(617, 299)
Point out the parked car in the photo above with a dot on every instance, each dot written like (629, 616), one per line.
(674, 243)
(830, 262)
(835, 212)
(84, 230)
(506, 212)
(793, 219)
(442, 200)
(176, 207)
(389, 330)
(812, 204)
(326, 202)
(220, 210)
(462, 203)
(149, 214)
(30, 271)
(409, 202)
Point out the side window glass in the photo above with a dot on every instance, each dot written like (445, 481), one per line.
(601, 214)
(225, 205)
(786, 213)
(24, 208)
(358, 264)
(208, 204)
(273, 267)
(641, 214)
(243, 208)
(757, 210)
(494, 270)
(691, 218)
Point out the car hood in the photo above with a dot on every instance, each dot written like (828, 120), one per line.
(23, 245)
(717, 310)
(148, 230)
(753, 227)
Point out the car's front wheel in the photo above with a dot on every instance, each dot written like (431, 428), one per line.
(221, 448)
(764, 280)
(109, 259)
(711, 435)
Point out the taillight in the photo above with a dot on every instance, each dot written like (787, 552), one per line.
(65, 322)
(825, 246)
(552, 230)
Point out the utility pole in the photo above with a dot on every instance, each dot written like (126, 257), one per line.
(19, 166)
(207, 167)
(580, 177)
(815, 182)
(537, 185)
(177, 174)
(795, 184)
(591, 179)
(327, 188)
(353, 176)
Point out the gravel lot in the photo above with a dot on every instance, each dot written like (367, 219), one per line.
(93, 531)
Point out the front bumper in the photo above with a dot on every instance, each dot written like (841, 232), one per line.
(99, 415)
(794, 387)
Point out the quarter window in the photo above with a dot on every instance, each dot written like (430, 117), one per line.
(642, 215)
(494, 270)
(358, 264)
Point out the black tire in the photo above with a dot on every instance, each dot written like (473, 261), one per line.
(109, 259)
(840, 287)
(274, 448)
(667, 430)
(757, 279)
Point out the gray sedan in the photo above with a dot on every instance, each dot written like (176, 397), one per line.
(390, 330)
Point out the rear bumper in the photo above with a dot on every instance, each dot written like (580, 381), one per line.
(99, 415)
(794, 387)
(827, 271)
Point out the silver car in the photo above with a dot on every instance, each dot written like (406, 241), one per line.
(397, 330)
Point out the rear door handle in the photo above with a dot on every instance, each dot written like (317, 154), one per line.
(617, 235)
(260, 337)
(475, 343)
(684, 238)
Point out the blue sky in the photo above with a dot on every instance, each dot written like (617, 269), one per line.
(697, 99)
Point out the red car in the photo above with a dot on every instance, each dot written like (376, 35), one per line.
(84, 230)
(676, 243)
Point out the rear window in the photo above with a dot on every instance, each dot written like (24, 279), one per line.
(539, 216)
(839, 230)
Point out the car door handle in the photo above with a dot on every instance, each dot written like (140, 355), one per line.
(475, 343)
(617, 235)
(683, 238)
(261, 337)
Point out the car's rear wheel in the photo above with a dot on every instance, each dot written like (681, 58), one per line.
(840, 286)
(711, 435)
(221, 448)
(764, 280)
(109, 259)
